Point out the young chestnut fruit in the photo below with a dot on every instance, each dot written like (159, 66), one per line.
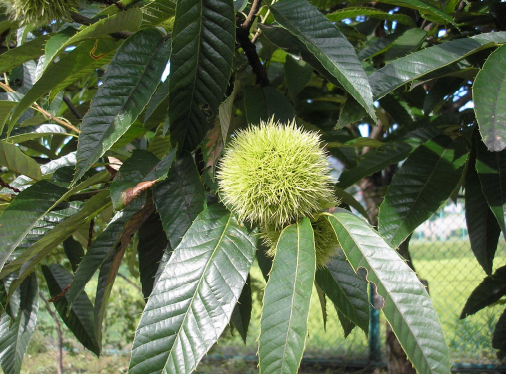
(40, 12)
(273, 175)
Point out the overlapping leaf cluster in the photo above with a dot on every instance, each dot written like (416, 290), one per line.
(112, 127)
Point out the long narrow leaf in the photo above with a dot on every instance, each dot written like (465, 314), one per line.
(283, 325)
(346, 289)
(200, 64)
(14, 339)
(185, 315)
(23, 213)
(180, 198)
(490, 290)
(407, 307)
(491, 168)
(14, 159)
(423, 183)
(484, 231)
(102, 247)
(489, 97)
(328, 45)
(415, 65)
(79, 318)
(122, 96)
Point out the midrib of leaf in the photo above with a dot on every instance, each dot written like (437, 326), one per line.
(199, 36)
(178, 334)
(421, 190)
(293, 293)
(293, 298)
(102, 136)
(397, 310)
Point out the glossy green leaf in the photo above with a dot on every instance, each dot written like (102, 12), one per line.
(426, 8)
(180, 198)
(391, 153)
(122, 21)
(160, 144)
(109, 270)
(415, 65)
(405, 44)
(137, 174)
(152, 245)
(354, 12)
(157, 108)
(407, 306)
(184, 315)
(346, 289)
(264, 261)
(239, 5)
(482, 225)
(47, 223)
(14, 159)
(351, 112)
(491, 168)
(241, 315)
(203, 46)
(23, 213)
(79, 318)
(328, 45)
(157, 12)
(396, 110)
(25, 52)
(323, 305)
(445, 87)
(376, 46)
(348, 199)
(5, 111)
(80, 62)
(22, 182)
(74, 251)
(419, 188)
(32, 256)
(226, 111)
(263, 103)
(287, 296)
(346, 323)
(490, 290)
(14, 339)
(102, 247)
(297, 75)
(23, 134)
(292, 45)
(130, 81)
(499, 336)
(489, 97)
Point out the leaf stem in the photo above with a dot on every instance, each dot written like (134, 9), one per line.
(249, 48)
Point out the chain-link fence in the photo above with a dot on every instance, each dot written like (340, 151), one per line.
(442, 257)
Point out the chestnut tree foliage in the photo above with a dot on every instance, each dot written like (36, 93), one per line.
(117, 117)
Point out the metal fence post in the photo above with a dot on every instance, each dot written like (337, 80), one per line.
(374, 328)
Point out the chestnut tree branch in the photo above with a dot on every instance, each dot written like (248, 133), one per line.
(249, 48)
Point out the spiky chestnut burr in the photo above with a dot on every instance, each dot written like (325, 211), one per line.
(40, 12)
(274, 174)
(325, 240)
